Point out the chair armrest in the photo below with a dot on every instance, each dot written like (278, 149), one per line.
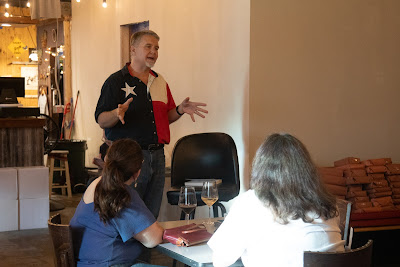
(63, 251)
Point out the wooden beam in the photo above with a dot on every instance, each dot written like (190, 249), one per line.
(68, 73)
(18, 20)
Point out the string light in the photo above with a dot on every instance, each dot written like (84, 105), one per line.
(104, 3)
(7, 5)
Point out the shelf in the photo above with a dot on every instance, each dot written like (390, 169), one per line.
(22, 63)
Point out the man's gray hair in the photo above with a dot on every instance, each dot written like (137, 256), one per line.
(137, 36)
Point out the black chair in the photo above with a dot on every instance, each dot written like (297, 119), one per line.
(205, 156)
(62, 241)
(360, 257)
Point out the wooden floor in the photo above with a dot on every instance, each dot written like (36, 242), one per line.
(34, 247)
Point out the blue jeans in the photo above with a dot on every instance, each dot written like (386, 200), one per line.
(150, 183)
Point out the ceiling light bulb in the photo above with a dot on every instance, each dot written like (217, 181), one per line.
(6, 14)
(7, 5)
(104, 3)
(28, 4)
(78, 1)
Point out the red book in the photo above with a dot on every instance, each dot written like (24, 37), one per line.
(187, 235)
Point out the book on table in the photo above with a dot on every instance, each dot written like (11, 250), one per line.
(187, 235)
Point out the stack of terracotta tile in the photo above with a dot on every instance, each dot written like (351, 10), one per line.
(393, 177)
(334, 181)
(356, 176)
(378, 190)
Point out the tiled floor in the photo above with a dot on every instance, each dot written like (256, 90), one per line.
(34, 247)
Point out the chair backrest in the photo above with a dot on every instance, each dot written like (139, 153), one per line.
(62, 241)
(205, 156)
(360, 257)
(344, 208)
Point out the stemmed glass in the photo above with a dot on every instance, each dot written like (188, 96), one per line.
(209, 195)
(187, 200)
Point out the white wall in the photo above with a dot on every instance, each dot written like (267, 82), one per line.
(328, 72)
(204, 54)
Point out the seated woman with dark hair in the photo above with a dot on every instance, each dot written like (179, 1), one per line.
(287, 211)
(111, 222)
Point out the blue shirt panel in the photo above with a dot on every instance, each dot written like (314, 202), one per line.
(99, 244)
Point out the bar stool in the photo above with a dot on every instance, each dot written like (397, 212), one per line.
(62, 156)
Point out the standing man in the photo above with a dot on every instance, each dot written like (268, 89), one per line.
(137, 103)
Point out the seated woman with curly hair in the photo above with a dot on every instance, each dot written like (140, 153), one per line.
(111, 221)
(287, 211)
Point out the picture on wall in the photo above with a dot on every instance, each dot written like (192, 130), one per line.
(31, 81)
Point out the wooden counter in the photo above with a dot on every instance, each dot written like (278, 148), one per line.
(21, 142)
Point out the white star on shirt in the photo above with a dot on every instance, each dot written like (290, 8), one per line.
(128, 90)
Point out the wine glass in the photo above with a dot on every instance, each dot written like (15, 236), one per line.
(209, 195)
(187, 200)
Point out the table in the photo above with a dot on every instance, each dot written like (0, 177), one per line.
(196, 256)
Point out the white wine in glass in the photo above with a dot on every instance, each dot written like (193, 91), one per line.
(187, 200)
(209, 195)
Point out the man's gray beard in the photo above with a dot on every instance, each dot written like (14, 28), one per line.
(149, 65)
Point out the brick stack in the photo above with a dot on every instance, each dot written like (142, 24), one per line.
(393, 178)
(334, 181)
(378, 190)
(356, 176)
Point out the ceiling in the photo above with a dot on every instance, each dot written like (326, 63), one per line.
(20, 3)
(16, 2)
(17, 20)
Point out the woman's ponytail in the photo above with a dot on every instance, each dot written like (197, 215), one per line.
(124, 159)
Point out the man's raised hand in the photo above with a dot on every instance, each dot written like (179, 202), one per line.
(192, 108)
(122, 108)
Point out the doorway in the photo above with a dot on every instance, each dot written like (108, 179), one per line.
(126, 33)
